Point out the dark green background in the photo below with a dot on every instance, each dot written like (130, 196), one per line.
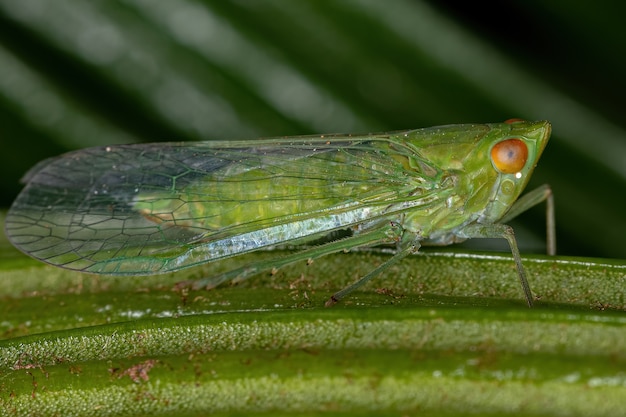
(82, 73)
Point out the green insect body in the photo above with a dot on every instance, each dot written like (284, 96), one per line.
(154, 208)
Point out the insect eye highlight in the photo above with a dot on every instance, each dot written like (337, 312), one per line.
(509, 156)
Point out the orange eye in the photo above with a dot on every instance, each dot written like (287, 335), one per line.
(509, 156)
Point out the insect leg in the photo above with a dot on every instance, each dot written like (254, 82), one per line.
(498, 230)
(413, 247)
(377, 236)
(531, 199)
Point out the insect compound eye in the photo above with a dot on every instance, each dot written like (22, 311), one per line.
(509, 156)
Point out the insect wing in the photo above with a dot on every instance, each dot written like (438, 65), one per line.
(141, 209)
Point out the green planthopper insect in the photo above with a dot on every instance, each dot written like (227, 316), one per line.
(155, 208)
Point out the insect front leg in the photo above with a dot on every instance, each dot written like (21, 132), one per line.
(506, 232)
(531, 199)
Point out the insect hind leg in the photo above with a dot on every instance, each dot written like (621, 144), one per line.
(372, 237)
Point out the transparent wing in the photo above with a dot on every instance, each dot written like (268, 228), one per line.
(141, 209)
